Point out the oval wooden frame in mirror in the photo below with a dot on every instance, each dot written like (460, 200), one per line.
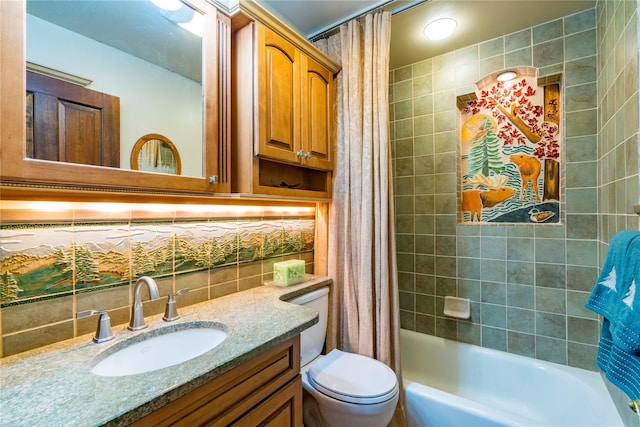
(156, 153)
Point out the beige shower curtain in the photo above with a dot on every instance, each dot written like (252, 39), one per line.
(361, 245)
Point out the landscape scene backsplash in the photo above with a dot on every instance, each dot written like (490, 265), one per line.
(43, 260)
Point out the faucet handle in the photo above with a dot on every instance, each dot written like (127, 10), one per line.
(103, 333)
(171, 310)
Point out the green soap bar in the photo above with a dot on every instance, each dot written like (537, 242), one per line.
(288, 272)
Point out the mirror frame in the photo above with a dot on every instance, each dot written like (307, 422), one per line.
(137, 149)
(15, 167)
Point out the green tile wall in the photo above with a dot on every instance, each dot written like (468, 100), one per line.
(518, 277)
(617, 150)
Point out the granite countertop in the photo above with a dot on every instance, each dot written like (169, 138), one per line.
(54, 385)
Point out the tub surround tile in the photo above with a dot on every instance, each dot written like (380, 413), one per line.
(522, 344)
(581, 70)
(580, 21)
(521, 320)
(546, 271)
(425, 324)
(582, 355)
(407, 301)
(580, 45)
(548, 53)
(551, 349)
(491, 48)
(256, 319)
(494, 338)
(469, 333)
(519, 58)
(407, 320)
(468, 268)
(423, 67)
(585, 331)
(401, 74)
(551, 300)
(548, 31)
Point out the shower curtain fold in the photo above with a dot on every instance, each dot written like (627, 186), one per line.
(361, 258)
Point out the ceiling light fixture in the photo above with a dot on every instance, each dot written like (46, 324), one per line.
(182, 15)
(505, 76)
(168, 4)
(440, 28)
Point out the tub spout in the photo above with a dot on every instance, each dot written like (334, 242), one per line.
(137, 315)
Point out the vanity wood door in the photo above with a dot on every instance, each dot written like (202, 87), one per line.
(69, 123)
(265, 390)
(279, 93)
(317, 103)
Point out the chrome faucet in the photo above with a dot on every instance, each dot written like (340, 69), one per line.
(137, 316)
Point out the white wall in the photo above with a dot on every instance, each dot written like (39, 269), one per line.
(152, 99)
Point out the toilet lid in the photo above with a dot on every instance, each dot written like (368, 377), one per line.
(353, 378)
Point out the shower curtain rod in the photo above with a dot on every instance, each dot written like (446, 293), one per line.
(326, 31)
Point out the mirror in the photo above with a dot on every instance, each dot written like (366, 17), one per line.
(146, 57)
(156, 153)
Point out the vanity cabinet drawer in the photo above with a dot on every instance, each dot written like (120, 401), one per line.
(279, 410)
(265, 390)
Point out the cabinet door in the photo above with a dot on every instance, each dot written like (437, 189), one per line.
(283, 409)
(69, 123)
(317, 103)
(278, 97)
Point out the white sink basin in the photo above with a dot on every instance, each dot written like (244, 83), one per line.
(160, 348)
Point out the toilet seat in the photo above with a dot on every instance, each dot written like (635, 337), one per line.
(353, 378)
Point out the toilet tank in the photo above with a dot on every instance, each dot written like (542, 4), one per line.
(312, 339)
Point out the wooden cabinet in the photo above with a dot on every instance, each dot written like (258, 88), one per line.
(282, 117)
(265, 391)
(295, 94)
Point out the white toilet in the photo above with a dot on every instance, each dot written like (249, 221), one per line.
(349, 390)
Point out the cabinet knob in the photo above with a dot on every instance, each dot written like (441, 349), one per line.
(213, 179)
(307, 155)
(300, 153)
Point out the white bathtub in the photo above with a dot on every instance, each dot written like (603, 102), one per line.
(460, 385)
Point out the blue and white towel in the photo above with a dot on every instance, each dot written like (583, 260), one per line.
(614, 297)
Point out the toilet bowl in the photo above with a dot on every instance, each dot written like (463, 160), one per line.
(347, 389)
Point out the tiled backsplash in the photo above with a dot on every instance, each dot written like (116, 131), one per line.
(50, 272)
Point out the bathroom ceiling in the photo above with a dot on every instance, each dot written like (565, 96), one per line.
(478, 20)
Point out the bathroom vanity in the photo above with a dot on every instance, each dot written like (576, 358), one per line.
(251, 378)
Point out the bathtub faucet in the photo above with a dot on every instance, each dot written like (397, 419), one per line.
(137, 315)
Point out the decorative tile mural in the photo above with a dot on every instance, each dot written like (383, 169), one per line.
(510, 150)
(39, 261)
